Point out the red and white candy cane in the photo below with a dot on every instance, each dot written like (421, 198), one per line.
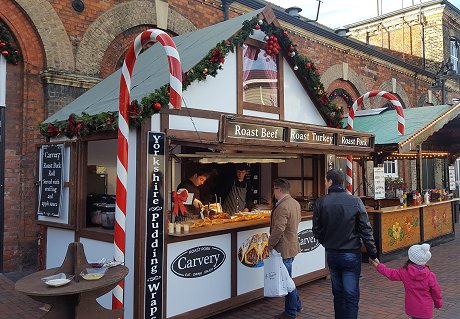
(351, 116)
(175, 101)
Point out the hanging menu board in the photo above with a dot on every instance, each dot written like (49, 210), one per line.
(379, 183)
(51, 161)
(452, 182)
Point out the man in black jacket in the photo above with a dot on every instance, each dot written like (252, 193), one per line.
(341, 224)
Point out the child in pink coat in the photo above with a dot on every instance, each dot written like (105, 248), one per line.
(420, 284)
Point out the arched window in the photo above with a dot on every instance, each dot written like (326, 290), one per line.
(454, 54)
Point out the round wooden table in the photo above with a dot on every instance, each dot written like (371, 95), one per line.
(77, 299)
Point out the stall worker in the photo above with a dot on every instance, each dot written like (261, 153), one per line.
(192, 185)
(238, 196)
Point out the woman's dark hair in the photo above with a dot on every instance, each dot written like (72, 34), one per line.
(282, 184)
(203, 172)
(336, 176)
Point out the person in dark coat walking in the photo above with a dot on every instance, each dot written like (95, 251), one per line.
(341, 224)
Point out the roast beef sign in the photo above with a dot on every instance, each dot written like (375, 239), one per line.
(307, 241)
(198, 261)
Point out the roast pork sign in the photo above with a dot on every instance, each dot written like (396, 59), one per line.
(198, 261)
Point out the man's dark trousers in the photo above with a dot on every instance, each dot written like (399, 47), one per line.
(345, 268)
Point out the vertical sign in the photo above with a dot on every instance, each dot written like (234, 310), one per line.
(330, 161)
(51, 180)
(379, 183)
(154, 240)
(452, 184)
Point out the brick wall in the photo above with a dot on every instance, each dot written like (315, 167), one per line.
(94, 42)
(24, 110)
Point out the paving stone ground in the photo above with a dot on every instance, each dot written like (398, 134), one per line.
(380, 298)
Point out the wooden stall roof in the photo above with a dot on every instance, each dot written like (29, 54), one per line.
(434, 126)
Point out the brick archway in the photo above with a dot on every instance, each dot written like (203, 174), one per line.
(423, 100)
(335, 72)
(115, 21)
(24, 111)
(388, 86)
(54, 38)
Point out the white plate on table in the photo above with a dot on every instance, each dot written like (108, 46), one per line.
(57, 280)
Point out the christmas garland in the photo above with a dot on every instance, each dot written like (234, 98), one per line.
(343, 94)
(209, 66)
(8, 51)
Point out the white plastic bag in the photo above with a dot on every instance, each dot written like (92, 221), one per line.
(290, 284)
(274, 285)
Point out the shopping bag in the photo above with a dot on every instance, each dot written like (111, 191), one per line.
(274, 284)
(290, 284)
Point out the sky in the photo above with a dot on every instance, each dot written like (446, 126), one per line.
(337, 13)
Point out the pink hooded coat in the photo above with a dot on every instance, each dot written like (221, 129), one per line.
(421, 287)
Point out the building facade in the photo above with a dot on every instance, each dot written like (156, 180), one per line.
(66, 48)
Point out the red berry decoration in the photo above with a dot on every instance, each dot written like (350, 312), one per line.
(285, 33)
(157, 106)
(257, 27)
(5, 53)
(308, 65)
(272, 46)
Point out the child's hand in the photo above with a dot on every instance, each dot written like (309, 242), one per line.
(374, 262)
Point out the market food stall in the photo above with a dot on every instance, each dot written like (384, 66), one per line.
(423, 207)
(272, 114)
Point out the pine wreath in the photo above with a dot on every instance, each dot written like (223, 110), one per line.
(343, 94)
(7, 50)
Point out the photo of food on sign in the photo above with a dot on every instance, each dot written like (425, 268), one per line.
(253, 250)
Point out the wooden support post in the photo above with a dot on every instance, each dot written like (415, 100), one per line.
(419, 169)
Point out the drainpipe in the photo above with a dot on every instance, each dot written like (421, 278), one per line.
(226, 6)
(420, 21)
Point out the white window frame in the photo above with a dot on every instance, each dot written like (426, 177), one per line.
(391, 168)
(454, 54)
(2, 81)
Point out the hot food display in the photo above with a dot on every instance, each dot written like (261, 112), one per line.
(223, 218)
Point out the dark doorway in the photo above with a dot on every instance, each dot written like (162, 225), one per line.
(2, 181)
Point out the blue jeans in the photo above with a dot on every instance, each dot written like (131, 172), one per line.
(345, 268)
(292, 301)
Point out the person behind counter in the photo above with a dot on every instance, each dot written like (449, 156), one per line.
(192, 185)
(284, 226)
(238, 196)
(340, 224)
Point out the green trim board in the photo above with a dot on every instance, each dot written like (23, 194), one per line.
(421, 123)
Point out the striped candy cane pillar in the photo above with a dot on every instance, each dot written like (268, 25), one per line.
(351, 116)
(175, 101)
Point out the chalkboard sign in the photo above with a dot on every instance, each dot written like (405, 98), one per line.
(51, 180)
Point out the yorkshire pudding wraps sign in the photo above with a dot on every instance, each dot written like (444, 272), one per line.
(154, 249)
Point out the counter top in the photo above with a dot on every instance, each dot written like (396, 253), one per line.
(226, 227)
(398, 208)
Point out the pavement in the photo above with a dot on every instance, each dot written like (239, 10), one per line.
(380, 298)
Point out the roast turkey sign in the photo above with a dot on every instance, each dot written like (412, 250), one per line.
(198, 261)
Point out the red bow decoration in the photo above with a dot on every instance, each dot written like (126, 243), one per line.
(178, 200)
